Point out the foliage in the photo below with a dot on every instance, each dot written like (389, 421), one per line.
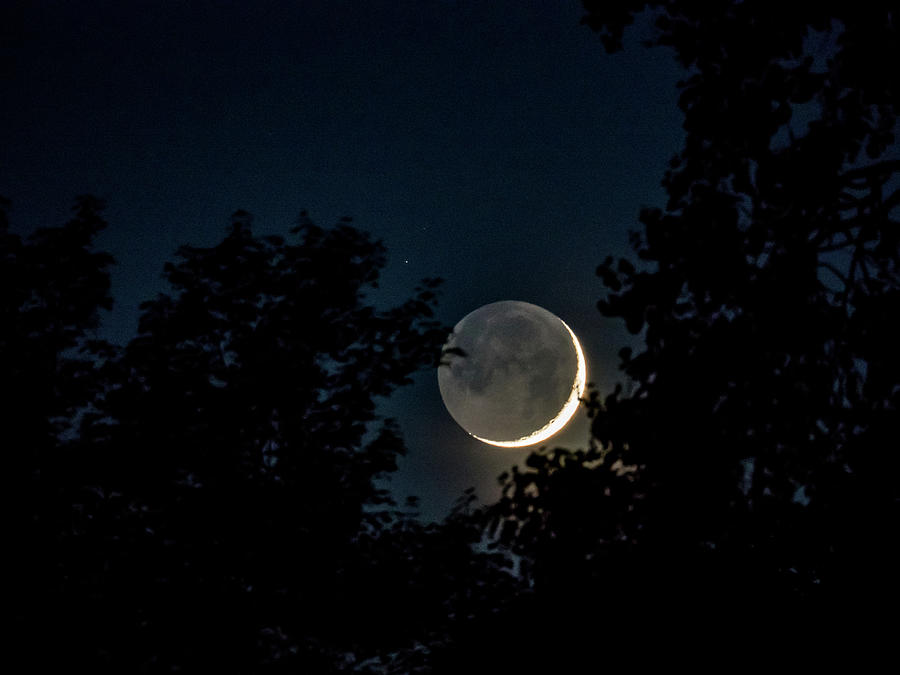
(52, 286)
(214, 508)
(751, 464)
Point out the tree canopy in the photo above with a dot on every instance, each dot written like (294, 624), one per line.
(749, 464)
(207, 491)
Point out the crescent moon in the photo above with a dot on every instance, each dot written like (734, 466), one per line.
(563, 416)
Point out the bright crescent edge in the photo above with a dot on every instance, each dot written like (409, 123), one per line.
(563, 416)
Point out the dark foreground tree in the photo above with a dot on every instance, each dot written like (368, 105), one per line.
(748, 476)
(214, 509)
(52, 286)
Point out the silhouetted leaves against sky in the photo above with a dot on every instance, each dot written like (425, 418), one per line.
(746, 459)
(223, 474)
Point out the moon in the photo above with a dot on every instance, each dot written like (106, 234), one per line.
(519, 377)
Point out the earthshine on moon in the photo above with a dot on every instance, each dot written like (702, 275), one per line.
(520, 378)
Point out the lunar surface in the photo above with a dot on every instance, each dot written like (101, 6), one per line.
(520, 377)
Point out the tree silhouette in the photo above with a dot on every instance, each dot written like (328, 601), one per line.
(749, 470)
(52, 287)
(213, 505)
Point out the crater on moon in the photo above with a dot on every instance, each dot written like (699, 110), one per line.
(520, 366)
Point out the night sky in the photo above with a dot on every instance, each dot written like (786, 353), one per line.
(492, 144)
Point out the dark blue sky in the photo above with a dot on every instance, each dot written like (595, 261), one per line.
(493, 144)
